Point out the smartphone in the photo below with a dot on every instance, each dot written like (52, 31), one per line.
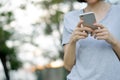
(89, 19)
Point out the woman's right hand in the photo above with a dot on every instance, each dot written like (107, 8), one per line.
(80, 32)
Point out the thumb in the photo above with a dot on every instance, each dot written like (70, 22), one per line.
(80, 24)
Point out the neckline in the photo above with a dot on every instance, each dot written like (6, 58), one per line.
(106, 15)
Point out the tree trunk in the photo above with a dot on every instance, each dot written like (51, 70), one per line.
(3, 60)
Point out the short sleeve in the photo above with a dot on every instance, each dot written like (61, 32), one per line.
(66, 31)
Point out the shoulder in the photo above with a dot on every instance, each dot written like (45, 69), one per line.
(71, 19)
(115, 10)
(116, 7)
(73, 14)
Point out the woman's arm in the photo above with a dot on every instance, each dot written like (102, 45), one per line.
(116, 47)
(70, 49)
(104, 34)
(69, 55)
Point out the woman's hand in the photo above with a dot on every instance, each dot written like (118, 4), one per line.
(80, 32)
(102, 33)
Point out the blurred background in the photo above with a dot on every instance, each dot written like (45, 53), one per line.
(30, 38)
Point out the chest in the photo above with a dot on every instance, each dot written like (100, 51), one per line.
(100, 16)
(113, 25)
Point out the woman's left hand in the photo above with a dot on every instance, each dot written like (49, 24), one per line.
(102, 33)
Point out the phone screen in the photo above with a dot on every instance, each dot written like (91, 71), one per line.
(89, 19)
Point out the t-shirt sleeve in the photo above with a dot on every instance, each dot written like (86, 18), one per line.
(66, 31)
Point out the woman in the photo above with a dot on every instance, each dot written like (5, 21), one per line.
(95, 56)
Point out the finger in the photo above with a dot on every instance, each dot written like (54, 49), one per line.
(92, 34)
(102, 34)
(81, 34)
(80, 37)
(101, 37)
(99, 31)
(95, 36)
(84, 29)
(80, 23)
(87, 29)
(100, 26)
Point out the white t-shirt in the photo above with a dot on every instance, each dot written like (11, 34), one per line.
(95, 59)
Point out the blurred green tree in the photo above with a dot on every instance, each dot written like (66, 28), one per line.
(7, 55)
(53, 22)
(54, 19)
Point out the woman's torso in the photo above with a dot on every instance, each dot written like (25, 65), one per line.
(95, 59)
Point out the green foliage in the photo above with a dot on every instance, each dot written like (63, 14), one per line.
(15, 63)
(56, 1)
(4, 35)
(45, 4)
(0, 4)
(5, 52)
(56, 18)
(8, 16)
(48, 29)
(9, 53)
(53, 21)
